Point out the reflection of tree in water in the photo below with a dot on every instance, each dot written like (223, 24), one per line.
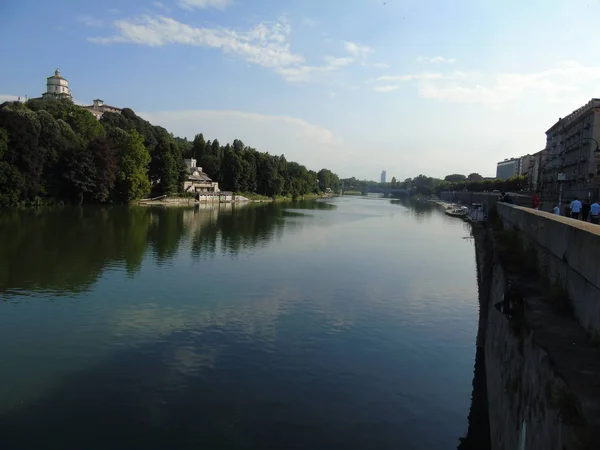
(421, 209)
(238, 229)
(244, 227)
(166, 231)
(65, 249)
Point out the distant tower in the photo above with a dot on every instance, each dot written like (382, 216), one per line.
(383, 175)
(57, 87)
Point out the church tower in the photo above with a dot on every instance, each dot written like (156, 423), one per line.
(57, 87)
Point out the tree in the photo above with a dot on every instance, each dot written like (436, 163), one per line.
(198, 147)
(232, 170)
(106, 166)
(394, 183)
(132, 181)
(454, 178)
(474, 177)
(166, 168)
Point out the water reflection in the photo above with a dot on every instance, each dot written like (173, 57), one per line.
(194, 334)
(65, 250)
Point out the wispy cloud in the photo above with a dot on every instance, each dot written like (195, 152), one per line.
(8, 98)
(408, 77)
(114, 11)
(436, 60)
(357, 49)
(386, 88)
(309, 22)
(205, 4)
(563, 83)
(90, 21)
(381, 65)
(266, 45)
(162, 6)
(314, 145)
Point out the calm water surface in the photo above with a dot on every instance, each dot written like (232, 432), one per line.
(347, 323)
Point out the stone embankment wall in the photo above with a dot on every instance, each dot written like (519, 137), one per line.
(488, 199)
(541, 368)
(566, 252)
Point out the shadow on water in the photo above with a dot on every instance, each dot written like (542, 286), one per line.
(185, 392)
(65, 250)
(478, 432)
(420, 209)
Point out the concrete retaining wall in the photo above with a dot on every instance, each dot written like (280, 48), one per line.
(488, 199)
(540, 367)
(567, 251)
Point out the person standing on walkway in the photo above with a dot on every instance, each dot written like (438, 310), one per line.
(585, 210)
(595, 213)
(575, 208)
(535, 201)
(556, 210)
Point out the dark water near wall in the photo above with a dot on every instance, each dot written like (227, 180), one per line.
(342, 324)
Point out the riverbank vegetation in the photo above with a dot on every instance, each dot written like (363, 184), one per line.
(53, 151)
(427, 186)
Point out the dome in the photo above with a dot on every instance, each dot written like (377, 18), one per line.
(56, 85)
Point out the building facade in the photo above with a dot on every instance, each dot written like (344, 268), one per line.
(99, 107)
(508, 168)
(534, 173)
(571, 145)
(197, 181)
(57, 87)
(383, 176)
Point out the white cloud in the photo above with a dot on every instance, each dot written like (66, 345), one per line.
(566, 82)
(436, 60)
(408, 77)
(205, 4)
(309, 22)
(357, 49)
(161, 6)
(310, 144)
(8, 98)
(265, 45)
(386, 88)
(90, 21)
(381, 65)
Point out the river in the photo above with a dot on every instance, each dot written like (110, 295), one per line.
(347, 323)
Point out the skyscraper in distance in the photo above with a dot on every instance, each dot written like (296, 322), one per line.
(383, 174)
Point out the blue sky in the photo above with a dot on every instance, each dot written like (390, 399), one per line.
(357, 86)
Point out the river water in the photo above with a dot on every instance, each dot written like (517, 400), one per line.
(348, 323)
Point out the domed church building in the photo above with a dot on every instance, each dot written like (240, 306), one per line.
(57, 87)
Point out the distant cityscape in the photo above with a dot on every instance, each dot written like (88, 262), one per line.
(571, 156)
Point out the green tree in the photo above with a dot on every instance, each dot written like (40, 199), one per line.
(198, 147)
(455, 177)
(474, 177)
(166, 167)
(132, 181)
(106, 166)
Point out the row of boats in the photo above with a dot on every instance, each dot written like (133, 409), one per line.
(474, 213)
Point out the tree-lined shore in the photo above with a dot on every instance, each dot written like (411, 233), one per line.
(53, 151)
(424, 185)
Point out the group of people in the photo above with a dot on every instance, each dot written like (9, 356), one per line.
(576, 210)
(583, 210)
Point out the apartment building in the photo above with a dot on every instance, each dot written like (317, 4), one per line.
(508, 168)
(571, 150)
